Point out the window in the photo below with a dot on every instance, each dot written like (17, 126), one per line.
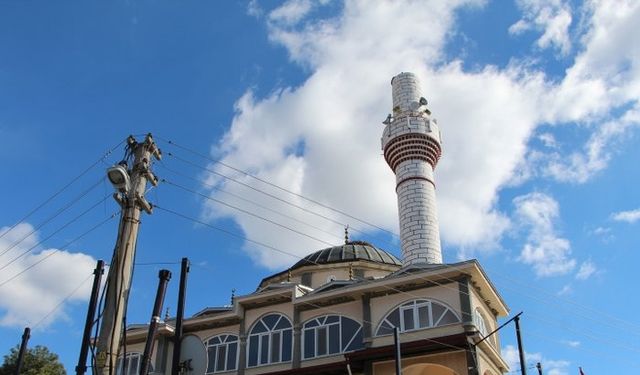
(222, 353)
(270, 340)
(481, 324)
(417, 314)
(330, 334)
(132, 364)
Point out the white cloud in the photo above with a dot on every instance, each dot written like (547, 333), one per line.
(31, 296)
(552, 367)
(630, 216)
(548, 253)
(580, 166)
(572, 343)
(587, 269)
(551, 17)
(291, 12)
(565, 290)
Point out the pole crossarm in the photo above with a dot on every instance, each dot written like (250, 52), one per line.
(499, 328)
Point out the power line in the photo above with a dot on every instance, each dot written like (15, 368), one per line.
(58, 250)
(246, 173)
(63, 301)
(239, 197)
(54, 233)
(58, 192)
(60, 211)
(246, 212)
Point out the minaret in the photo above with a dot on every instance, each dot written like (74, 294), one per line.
(411, 144)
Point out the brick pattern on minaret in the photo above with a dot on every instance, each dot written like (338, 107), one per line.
(411, 144)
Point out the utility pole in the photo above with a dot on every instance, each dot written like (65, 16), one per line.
(523, 364)
(539, 367)
(398, 352)
(131, 185)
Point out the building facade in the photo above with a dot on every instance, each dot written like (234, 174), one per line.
(334, 311)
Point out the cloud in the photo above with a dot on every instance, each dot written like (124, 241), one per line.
(548, 253)
(586, 270)
(321, 138)
(630, 216)
(598, 150)
(552, 367)
(28, 298)
(572, 343)
(551, 17)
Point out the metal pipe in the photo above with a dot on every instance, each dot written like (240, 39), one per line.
(81, 368)
(165, 276)
(175, 363)
(23, 348)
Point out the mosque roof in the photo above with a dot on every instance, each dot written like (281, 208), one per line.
(348, 252)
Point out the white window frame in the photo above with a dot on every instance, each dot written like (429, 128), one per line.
(414, 306)
(226, 344)
(270, 335)
(326, 326)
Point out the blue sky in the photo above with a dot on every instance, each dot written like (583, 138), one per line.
(537, 101)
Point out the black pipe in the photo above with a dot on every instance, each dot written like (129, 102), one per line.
(165, 276)
(175, 363)
(23, 348)
(396, 342)
(539, 367)
(523, 364)
(81, 368)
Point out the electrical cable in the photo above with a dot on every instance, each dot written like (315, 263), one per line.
(246, 173)
(52, 234)
(57, 250)
(246, 212)
(62, 302)
(266, 193)
(60, 211)
(85, 171)
(239, 197)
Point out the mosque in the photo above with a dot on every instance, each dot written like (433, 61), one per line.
(336, 310)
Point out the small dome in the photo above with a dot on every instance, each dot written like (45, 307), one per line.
(351, 251)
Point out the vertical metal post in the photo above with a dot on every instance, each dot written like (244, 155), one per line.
(175, 362)
(523, 364)
(23, 348)
(165, 276)
(539, 367)
(120, 272)
(81, 368)
(396, 341)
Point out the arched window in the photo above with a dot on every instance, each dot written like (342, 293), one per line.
(222, 352)
(330, 334)
(132, 364)
(417, 314)
(270, 340)
(479, 322)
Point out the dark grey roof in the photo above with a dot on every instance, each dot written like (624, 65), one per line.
(351, 251)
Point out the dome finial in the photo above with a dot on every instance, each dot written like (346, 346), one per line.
(233, 295)
(289, 275)
(346, 234)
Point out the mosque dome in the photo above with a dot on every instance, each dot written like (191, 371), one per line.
(348, 252)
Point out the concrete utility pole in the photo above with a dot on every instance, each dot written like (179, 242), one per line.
(130, 184)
